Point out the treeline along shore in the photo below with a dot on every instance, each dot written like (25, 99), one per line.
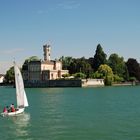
(114, 70)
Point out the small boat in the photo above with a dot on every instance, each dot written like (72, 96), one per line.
(22, 101)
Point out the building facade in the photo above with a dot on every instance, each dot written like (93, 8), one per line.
(42, 70)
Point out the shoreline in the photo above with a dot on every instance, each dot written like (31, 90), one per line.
(67, 83)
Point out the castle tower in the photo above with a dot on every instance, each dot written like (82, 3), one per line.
(47, 52)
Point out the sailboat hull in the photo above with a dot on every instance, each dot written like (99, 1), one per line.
(18, 111)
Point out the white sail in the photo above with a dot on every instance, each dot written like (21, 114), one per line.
(20, 92)
(25, 100)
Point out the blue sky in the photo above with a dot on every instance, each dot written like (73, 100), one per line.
(72, 27)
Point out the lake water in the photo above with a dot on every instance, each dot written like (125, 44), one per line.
(101, 113)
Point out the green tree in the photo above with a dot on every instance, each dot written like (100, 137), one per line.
(10, 77)
(97, 75)
(73, 67)
(118, 66)
(90, 61)
(118, 78)
(107, 74)
(99, 57)
(66, 62)
(80, 65)
(32, 58)
(133, 68)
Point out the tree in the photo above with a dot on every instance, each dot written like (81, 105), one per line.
(80, 75)
(118, 78)
(107, 74)
(90, 61)
(66, 61)
(118, 66)
(97, 75)
(80, 65)
(32, 58)
(73, 67)
(133, 68)
(99, 57)
(10, 77)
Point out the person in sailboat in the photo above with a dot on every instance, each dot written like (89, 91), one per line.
(5, 110)
(12, 108)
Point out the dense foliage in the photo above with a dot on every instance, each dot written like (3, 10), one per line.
(9, 77)
(118, 66)
(99, 57)
(113, 69)
(134, 68)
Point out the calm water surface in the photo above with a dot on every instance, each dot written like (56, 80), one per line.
(107, 113)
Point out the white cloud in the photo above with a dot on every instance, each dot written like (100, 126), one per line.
(11, 51)
(68, 5)
(42, 12)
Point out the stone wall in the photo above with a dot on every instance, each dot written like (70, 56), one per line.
(54, 83)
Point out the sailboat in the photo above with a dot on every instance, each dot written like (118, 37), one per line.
(22, 101)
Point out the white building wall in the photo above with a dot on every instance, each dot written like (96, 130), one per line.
(58, 66)
(92, 82)
(53, 75)
(46, 67)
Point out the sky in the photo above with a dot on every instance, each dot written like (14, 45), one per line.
(72, 28)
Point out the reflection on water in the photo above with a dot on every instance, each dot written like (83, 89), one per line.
(21, 124)
(52, 90)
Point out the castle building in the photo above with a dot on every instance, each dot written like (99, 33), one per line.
(38, 70)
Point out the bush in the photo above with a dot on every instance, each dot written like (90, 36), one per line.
(80, 75)
(108, 80)
(132, 79)
(118, 78)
